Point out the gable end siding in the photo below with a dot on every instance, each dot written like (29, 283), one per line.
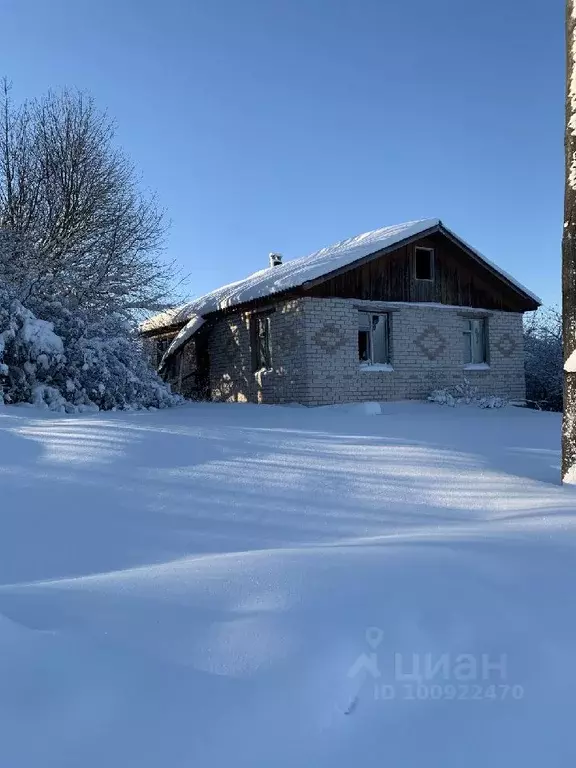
(459, 280)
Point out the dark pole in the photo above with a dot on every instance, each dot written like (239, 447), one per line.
(569, 256)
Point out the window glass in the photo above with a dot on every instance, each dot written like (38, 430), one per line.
(475, 341)
(379, 338)
(373, 338)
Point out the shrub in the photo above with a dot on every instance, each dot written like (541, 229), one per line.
(68, 361)
(465, 393)
(544, 359)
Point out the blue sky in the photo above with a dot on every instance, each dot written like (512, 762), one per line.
(287, 125)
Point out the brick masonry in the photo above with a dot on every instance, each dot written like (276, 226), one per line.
(231, 376)
(315, 354)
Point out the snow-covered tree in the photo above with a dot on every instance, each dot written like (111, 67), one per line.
(74, 362)
(543, 355)
(73, 196)
(74, 226)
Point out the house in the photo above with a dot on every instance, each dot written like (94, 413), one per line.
(390, 314)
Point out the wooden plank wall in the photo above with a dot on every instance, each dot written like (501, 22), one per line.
(458, 280)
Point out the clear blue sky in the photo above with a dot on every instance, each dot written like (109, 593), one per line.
(287, 125)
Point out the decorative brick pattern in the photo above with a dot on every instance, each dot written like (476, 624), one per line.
(330, 337)
(430, 342)
(314, 345)
(506, 345)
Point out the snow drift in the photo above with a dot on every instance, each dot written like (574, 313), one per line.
(237, 585)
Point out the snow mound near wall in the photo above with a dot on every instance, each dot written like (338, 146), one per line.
(358, 409)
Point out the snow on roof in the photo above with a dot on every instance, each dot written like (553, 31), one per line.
(295, 273)
(194, 324)
(291, 274)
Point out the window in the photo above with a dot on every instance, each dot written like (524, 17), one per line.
(260, 341)
(424, 263)
(475, 346)
(373, 338)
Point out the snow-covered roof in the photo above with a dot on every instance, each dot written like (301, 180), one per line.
(295, 273)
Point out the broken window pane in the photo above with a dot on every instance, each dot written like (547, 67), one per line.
(373, 346)
(364, 346)
(364, 322)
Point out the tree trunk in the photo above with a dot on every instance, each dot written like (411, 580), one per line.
(569, 256)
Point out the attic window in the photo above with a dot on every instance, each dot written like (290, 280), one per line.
(424, 263)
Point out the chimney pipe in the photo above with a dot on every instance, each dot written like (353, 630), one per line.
(275, 259)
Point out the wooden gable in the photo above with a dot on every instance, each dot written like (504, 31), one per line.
(459, 279)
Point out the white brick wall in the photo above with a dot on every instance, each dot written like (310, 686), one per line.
(315, 354)
(231, 376)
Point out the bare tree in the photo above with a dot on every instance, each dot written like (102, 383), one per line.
(74, 203)
(544, 358)
(569, 256)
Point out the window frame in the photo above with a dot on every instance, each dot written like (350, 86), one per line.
(370, 332)
(432, 256)
(260, 362)
(469, 347)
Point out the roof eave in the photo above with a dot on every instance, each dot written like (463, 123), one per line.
(161, 329)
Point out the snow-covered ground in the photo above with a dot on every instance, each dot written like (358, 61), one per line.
(241, 585)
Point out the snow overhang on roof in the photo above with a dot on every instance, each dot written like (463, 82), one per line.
(296, 273)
